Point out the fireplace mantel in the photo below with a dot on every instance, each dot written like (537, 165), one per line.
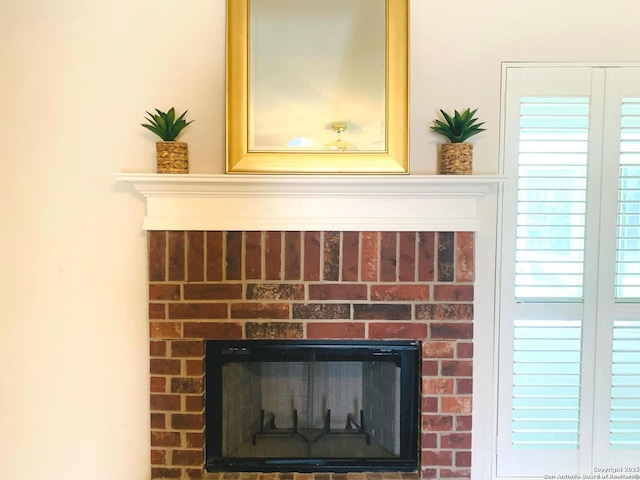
(312, 202)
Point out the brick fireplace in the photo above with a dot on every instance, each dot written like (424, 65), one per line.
(310, 285)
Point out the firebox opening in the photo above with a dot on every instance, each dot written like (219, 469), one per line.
(310, 406)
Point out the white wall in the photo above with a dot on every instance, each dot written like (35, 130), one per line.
(75, 79)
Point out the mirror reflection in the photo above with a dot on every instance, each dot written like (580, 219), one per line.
(317, 75)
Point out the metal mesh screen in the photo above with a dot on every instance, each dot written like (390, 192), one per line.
(311, 409)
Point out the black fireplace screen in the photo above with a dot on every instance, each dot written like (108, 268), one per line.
(312, 406)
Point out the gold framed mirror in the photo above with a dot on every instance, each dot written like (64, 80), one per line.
(317, 87)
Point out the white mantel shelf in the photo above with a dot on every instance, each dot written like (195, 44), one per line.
(312, 202)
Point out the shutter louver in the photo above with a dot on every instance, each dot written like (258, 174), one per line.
(628, 235)
(546, 384)
(551, 197)
(625, 385)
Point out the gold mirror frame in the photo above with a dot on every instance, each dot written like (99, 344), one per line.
(394, 159)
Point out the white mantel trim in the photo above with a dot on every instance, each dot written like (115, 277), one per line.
(312, 202)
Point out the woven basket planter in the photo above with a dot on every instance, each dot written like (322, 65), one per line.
(456, 159)
(173, 157)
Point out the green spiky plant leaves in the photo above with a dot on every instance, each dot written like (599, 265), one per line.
(166, 125)
(459, 127)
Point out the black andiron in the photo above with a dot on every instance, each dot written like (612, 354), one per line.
(352, 427)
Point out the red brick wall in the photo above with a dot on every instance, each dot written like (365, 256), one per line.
(360, 285)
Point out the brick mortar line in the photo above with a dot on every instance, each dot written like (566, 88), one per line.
(205, 256)
(341, 254)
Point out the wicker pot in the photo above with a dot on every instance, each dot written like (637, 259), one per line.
(456, 159)
(173, 157)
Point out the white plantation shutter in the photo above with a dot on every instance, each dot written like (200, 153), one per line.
(628, 234)
(551, 201)
(624, 430)
(546, 384)
(569, 370)
(549, 263)
(624, 421)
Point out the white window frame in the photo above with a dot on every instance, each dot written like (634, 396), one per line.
(589, 455)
